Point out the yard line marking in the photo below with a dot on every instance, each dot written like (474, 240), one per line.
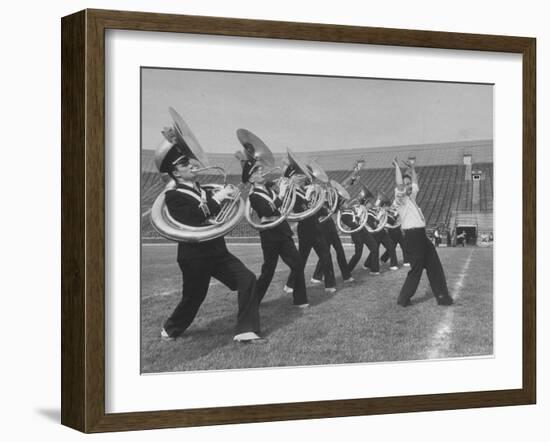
(442, 339)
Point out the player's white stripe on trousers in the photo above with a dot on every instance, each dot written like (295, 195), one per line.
(442, 339)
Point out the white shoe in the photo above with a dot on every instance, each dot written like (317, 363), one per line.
(165, 336)
(306, 305)
(394, 268)
(365, 267)
(247, 337)
(350, 279)
(330, 289)
(374, 273)
(315, 281)
(287, 289)
(406, 264)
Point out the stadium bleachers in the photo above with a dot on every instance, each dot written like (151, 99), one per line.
(443, 191)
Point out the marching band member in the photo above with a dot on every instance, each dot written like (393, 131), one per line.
(309, 231)
(188, 203)
(382, 236)
(328, 227)
(420, 250)
(362, 237)
(395, 233)
(265, 201)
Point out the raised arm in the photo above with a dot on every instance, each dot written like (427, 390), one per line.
(352, 178)
(398, 175)
(414, 177)
(400, 187)
(412, 172)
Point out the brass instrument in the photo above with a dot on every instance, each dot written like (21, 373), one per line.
(232, 209)
(331, 199)
(379, 214)
(355, 204)
(381, 217)
(296, 168)
(331, 194)
(397, 223)
(259, 160)
(361, 212)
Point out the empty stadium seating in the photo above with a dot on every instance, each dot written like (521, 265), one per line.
(443, 191)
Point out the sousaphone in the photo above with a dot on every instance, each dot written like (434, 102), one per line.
(300, 171)
(258, 159)
(231, 212)
(376, 210)
(359, 210)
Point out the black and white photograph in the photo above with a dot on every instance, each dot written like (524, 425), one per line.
(300, 220)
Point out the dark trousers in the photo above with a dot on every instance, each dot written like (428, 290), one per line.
(231, 272)
(316, 241)
(333, 240)
(422, 256)
(361, 239)
(383, 238)
(396, 236)
(286, 249)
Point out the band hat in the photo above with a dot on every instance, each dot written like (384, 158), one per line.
(166, 155)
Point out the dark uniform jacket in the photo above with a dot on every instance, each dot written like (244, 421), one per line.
(309, 227)
(266, 203)
(193, 206)
(392, 216)
(327, 226)
(372, 220)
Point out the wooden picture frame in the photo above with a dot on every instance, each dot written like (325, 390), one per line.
(83, 219)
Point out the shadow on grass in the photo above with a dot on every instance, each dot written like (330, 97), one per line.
(428, 295)
(281, 312)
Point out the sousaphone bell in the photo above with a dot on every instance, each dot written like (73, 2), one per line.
(257, 159)
(300, 171)
(180, 137)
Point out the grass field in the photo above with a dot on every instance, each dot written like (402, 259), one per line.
(359, 323)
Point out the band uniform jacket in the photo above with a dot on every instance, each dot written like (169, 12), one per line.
(327, 226)
(266, 203)
(309, 227)
(193, 206)
(393, 216)
(372, 220)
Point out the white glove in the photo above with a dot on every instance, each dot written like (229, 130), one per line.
(224, 194)
(309, 191)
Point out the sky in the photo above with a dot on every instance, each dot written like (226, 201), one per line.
(309, 113)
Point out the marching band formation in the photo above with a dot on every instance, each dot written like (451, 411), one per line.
(269, 197)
